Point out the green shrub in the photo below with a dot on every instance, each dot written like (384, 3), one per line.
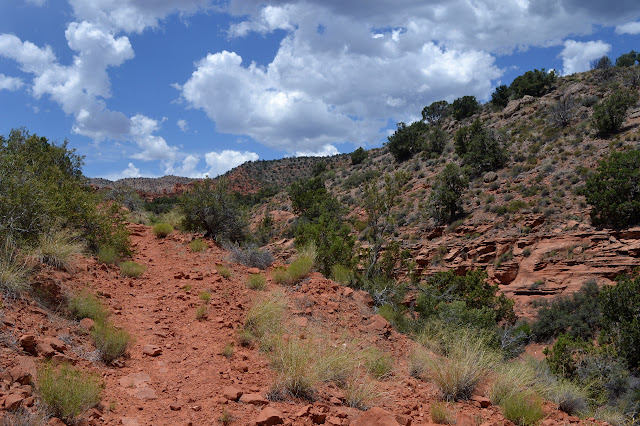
(107, 254)
(358, 156)
(298, 269)
(620, 306)
(612, 191)
(43, 189)
(480, 148)
(407, 141)
(256, 282)
(523, 409)
(131, 269)
(210, 207)
(464, 107)
(85, 305)
(609, 114)
(473, 292)
(199, 245)
(111, 342)
(205, 296)
(161, 230)
(67, 391)
(577, 315)
(445, 201)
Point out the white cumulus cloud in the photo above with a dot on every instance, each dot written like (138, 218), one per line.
(221, 162)
(183, 125)
(325, 151)
(628, 28)
(10, 83)
(577, 56)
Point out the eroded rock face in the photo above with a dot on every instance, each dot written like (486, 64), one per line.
(538, 264)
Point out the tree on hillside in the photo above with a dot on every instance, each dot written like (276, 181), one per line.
(436, 112)
(533, 83)
(358, 156)
(610, 113)
(464, 107)
(480, 148)
(406, 141)
(627, 59)
(500, 97)
(445, 201)
(614, 191)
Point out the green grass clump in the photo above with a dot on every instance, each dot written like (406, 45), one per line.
(294, 362)
(161, 230)
(257, 282)
(197, 246)
(205, 296)
(377, 363)
(228, 350)
(280, 276)
(337, 364)
(57, 249)
(523, 409)
(107, 254)
(440, 414)
(468, 359)
(342, 274)
(297, 269)
(67, 391)
(224, 271)
(110, 341)
(13, 271)
(265, 316)
(362, 393)
(131, 269)
(85, 305)
(201, 312)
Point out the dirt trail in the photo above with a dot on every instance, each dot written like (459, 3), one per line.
(175, 374)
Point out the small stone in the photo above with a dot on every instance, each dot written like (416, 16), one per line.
(128, 421)
(24, 371)
(45, 350)
(482, 401)
(57, 344)
(269, 416)
(145, 393)
(28, 343)
(333, 421)
(463, 419)
(574, 419)
(13, 401)
(253, 271)
(175, 407)
(335, 401)
(304, 411)
(87, 324)
(231, 393)
(253, 399)
(152, 350)
(376, 416)
(62, 358)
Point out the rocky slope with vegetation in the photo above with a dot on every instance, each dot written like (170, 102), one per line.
(477, 269)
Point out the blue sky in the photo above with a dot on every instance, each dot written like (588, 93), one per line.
(196, 87)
